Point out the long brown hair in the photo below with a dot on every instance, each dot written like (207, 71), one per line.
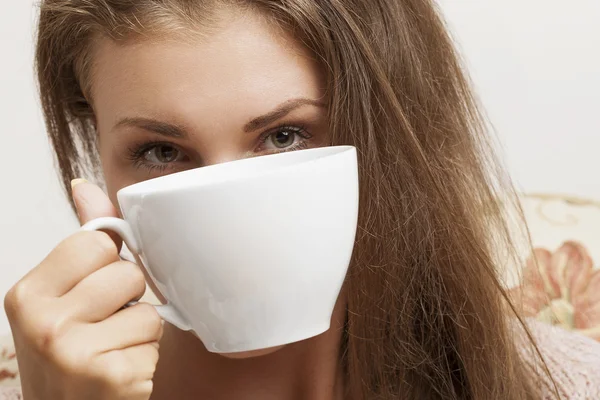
(427, 315)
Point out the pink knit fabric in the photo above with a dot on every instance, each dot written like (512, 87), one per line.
(573, 360)
(10, 393)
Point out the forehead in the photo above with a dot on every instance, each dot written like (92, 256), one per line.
(245, 67)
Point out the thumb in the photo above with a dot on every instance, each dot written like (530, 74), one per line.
(91, 203)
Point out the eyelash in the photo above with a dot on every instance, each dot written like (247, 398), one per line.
(298, 130)
(136, 153)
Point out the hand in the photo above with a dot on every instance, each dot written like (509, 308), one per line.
(72, 337)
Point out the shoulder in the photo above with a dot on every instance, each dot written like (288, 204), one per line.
(573, 360)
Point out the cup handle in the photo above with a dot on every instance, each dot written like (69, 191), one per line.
(122, 228)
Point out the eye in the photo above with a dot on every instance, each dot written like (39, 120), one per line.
(285, 138)
(158, 156)
(162, 154)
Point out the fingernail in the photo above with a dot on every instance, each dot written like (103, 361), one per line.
(77, 181)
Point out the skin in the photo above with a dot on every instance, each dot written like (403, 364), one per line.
(164, 106)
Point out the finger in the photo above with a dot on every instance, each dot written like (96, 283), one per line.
(71, 261)
(141, 390)
(131, 326)
(91, 203)
(143, 358)
(104, 292)
(129, 369)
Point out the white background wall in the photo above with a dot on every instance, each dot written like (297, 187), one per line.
(33, 213)
(536, 66)
(535, 63)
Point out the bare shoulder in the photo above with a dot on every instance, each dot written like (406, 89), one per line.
(573, 360)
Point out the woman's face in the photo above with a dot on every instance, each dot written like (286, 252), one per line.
(244, 90)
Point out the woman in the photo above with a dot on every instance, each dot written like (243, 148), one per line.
(132, 90)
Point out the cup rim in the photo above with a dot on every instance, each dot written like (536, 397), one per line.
(139, 187)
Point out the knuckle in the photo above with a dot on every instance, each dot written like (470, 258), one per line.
(70, 361)
(96, 244)
(152, 321)
(69, 355)
(16, 298)
(147, 387)
(134, 276)
(48, 333)
(118, 374)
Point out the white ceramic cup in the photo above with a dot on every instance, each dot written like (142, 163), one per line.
(249, 254)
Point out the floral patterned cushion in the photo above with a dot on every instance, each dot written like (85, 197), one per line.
(561, 288)
(9, 373)
(559, 283)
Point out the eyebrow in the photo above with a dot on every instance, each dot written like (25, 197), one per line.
(178, 132)
(281, 111)
(153, 125)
